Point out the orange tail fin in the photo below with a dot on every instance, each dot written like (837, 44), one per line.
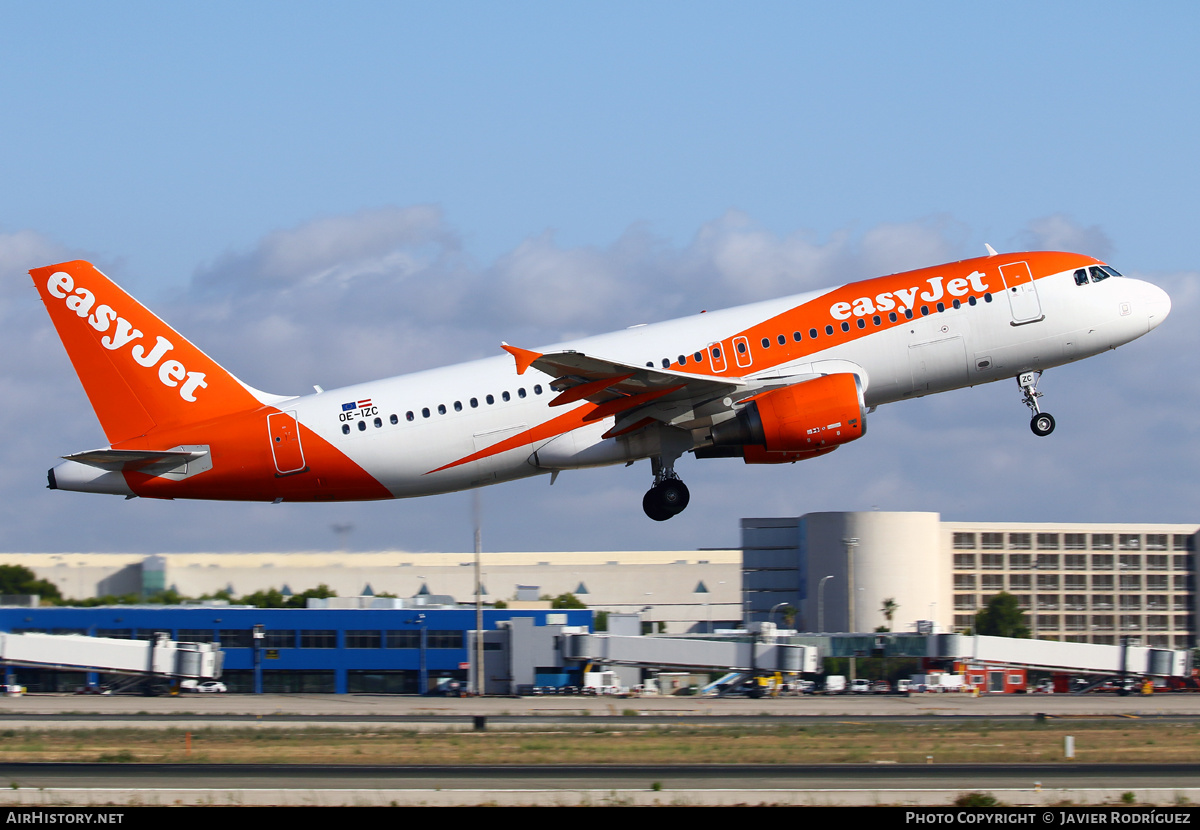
(138, 372)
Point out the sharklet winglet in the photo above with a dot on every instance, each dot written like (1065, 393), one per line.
(524, 357)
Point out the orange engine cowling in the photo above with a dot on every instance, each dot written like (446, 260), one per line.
(796, 422)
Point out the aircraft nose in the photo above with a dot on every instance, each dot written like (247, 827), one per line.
(1157, 304)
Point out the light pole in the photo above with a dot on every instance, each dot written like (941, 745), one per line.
(422, 673)
(851, 543)
(821, 603)
(478, 650)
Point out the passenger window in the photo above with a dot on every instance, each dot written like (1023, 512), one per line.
(766, 343)
(892, 317)
(409, 415)
(666, 363)
(491, 400)
(521, 392)
(877, 320)
(682, 359)
(362, 426)
(741, 347)
(458, 406)
(845, 327)
(346, 429)
(829, 329)
(782, 340)
(812, 334)
(698, 357)
(537, 389)
(862, 324)
(796, 336)
(378, 423)
(941, 307)
(474, 403)
(504, 395)
(425, 412)
(441, 409)
(1081, 277)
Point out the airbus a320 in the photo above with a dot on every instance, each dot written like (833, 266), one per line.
(771, 382)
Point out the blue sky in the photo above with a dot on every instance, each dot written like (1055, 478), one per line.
(320, 194)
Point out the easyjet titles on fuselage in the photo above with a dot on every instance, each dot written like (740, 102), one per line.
(171, 373)
(904, 299)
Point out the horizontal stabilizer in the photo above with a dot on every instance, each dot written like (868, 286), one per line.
(140, 460)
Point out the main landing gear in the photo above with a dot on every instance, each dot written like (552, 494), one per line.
(668, 497)
(1042, 423)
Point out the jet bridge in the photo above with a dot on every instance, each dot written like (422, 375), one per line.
(672, 652)
(1081, 658)
(161, 657)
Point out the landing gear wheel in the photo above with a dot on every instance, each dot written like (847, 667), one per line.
(1042, 424)
(674, 493)
(666, 499)
(653, 506)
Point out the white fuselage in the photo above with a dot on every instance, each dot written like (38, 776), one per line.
(417, 424)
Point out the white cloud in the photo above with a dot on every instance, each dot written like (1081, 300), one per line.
(1059, 232)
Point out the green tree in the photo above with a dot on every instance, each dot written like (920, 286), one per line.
(270, 598)
(567, 600)
(1002, 618)
(274, 598)
(300, 600)
(167, 596)
(17, 579)
(889, 609)
(107, 599)
(788, 613)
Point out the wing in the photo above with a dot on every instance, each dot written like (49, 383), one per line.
(636, 395)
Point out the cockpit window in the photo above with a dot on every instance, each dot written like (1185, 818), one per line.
(1098, 273)
(1081, 277)
(1113, 272)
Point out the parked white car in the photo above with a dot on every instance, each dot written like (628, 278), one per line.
(208, 686)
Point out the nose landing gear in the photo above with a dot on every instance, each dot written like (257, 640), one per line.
(1042, 423)
(668, 497)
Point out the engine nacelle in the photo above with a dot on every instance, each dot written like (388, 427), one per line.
(796, 422)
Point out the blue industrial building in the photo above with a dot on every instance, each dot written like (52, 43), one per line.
(315, 650)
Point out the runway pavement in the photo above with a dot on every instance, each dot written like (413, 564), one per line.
(826, 785)
(392, 706)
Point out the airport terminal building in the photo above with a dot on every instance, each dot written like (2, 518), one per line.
(1077, 582)
(820, 572)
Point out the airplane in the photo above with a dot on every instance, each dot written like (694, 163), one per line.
(771, 382)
